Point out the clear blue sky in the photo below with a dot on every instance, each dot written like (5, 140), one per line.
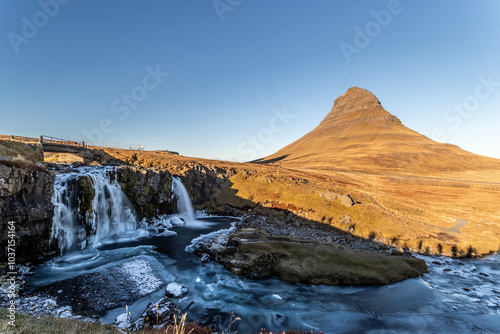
(81, 70)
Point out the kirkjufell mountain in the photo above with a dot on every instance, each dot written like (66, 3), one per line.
(360, 135)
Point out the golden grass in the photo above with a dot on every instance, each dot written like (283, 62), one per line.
(178, 328)
(414, 212)
(21, 151)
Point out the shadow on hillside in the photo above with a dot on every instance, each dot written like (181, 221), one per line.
(268, 161)
(224, 200)
(104, 158)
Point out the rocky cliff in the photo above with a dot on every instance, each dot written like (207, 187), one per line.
(149, 190)
(25, 199)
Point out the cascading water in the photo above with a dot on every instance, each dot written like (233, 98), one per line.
(184, 204)
(111, 212)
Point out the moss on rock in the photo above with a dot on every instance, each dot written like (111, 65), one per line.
(149, 191)
(255, 254)
(86, 194)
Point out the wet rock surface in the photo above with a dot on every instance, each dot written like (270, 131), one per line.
(163, 312)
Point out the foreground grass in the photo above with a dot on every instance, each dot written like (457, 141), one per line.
(27, 324)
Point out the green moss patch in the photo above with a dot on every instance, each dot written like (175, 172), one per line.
(86, 194)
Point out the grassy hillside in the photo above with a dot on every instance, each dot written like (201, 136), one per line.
(418, 212)
(20, 151)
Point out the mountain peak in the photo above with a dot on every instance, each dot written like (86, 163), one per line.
(360, 135)
(360, 106)
(355, 99)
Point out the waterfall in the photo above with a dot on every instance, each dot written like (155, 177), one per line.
(184, 205)
(111, 212)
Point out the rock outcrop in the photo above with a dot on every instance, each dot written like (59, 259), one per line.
(149, 190)
(26, 200)
(163, 312)
(202, 180)
(261, 247)
(345, 200)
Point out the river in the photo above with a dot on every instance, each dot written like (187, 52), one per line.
(457, 296)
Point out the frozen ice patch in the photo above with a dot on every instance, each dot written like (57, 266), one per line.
(175, 290)
(122, 321)
(203, 214)
(161, 226)
(141, 273)
(206, 238)
(43, 306)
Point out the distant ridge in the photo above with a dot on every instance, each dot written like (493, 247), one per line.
(360, 135)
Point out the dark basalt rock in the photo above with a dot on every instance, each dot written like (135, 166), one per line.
(163, 312)
(26, 199)
(149, 191)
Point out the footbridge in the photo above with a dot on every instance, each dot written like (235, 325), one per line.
(64, 150)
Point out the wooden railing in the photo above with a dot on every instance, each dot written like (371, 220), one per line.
(55, 140)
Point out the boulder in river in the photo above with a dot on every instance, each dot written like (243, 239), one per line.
(163, 312)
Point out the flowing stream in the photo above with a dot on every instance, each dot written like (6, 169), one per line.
(457, 296)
